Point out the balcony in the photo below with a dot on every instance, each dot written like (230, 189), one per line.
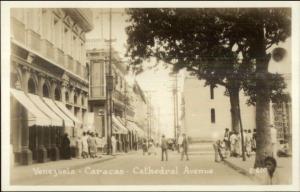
(18, 30)
(47, 49)
(33, 40)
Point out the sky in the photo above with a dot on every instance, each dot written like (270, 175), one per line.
(157, 83)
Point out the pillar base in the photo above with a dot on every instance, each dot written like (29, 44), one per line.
(54, 151)
(25, 157)
(42, 155)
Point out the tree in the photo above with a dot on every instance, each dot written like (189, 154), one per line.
(224, 47)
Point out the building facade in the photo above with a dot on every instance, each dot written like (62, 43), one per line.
(206, 111)
(49, 80)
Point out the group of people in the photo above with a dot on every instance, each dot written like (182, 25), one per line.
(148, 146)
(182, 145)
(231, 145)
(90, 144)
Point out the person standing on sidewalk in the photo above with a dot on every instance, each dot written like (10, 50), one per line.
(79, 146)
(66, 150)
(184, 146)
(180, 140)
(226, 139)
(85, 146)
(164, 148)
(248, 143)
(114, 144)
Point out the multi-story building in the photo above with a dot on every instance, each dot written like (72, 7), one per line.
(49, 79)
(98, 58)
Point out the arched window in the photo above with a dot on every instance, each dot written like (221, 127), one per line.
(75, 98)
(67, 96)
(45, 91)
(31, 86)
(82, 100)
(57, 94)
(212, 115)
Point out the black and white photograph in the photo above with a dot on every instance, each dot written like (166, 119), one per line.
(150, 96)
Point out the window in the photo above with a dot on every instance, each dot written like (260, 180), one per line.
(57, 94)
(82, 100)
(75, 99)
(211, 92)
(45, 91)
(67, 97)
(56, 34)
(66, 44)
(212, 115)
(31, 86)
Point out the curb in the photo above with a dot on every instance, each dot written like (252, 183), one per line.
(242, 171)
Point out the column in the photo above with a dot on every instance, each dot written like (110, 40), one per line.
(63, 91)
(41, 131)
(54, 148)
(52, 131)
(25, 156)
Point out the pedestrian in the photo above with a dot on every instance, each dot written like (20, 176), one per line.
(151, 149)
(66, 150)
(164, 148)
(238, 144)
(273, 132)
(113, 144)
(248, 143)
(144, 147)
(93, 145)
(272, 177)
(184, 146)
(98, 142)
(79, 146)
(233, 140)
(89, 141)
(218, 152)
(226, 139)
(85, 146)
(180, 140)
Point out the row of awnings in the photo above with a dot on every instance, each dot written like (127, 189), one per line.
(119, 127)
(44, 111)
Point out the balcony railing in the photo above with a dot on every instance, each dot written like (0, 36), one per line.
(47, 49)
(33, 40)
(59, 57)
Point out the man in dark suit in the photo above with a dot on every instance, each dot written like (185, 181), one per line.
(164, 148)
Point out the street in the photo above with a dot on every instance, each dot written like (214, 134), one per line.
(136, 169)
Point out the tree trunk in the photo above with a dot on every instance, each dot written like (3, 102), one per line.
(234, 109)
(263, 135)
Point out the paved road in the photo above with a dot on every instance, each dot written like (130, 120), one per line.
(136, 169)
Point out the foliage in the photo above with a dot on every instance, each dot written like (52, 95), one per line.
(217, 45)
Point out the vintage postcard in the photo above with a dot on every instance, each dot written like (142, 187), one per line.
(150, 96)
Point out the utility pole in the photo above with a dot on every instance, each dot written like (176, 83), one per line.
(109, 83)
(175, 96)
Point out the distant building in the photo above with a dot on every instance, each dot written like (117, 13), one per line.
(49, 80)
(206, 111)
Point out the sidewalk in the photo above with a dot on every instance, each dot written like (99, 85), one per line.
(284, 168)
(20, 173)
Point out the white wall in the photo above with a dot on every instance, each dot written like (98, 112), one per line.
(197, 111)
